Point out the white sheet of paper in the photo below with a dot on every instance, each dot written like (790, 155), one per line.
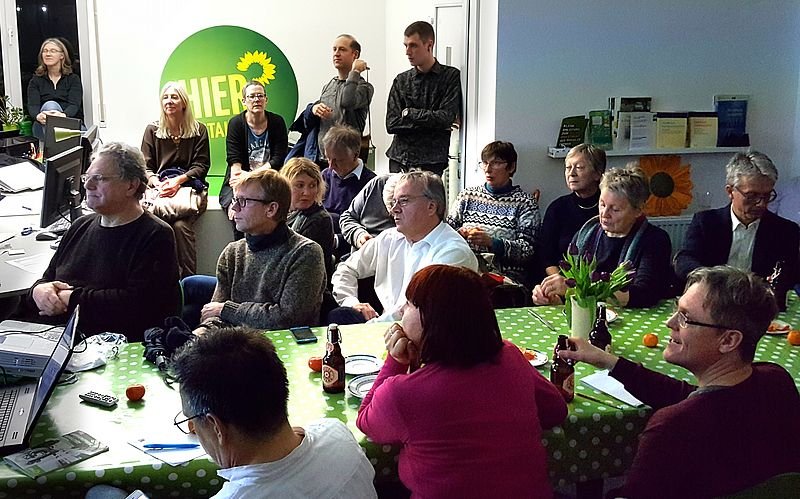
(610, 386)
(173, 457)
(35, 264)
(23, 203)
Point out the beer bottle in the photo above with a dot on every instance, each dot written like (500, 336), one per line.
(333, 362)
(599, 335)
(562, 372)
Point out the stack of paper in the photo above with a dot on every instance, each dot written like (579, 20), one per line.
(20, 177)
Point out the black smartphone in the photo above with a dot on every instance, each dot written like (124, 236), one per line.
(303, 334)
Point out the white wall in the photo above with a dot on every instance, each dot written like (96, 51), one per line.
(136, 39)
(558, 58)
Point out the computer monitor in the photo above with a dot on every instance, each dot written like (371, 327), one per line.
(90, 141)
(62, 187)
(61, 134)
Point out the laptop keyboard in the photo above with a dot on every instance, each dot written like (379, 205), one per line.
(8, 398)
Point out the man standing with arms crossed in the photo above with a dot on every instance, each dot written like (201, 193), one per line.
(424, 102)
(345, 99)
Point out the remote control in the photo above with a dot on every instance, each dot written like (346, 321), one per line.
(99, 399)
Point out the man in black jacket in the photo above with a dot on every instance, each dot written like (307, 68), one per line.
(744, 234)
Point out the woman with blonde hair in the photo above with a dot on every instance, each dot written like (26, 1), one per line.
(176, 154)
(307, 216)
(54, 90)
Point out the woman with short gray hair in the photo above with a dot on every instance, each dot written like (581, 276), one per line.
(621, 233)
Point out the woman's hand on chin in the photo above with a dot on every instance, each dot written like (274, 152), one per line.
(399, 346)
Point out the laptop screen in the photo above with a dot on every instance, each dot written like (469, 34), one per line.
(55, 366)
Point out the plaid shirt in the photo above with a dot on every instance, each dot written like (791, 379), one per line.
(433, 103)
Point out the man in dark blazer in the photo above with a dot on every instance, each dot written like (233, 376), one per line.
(744, 234)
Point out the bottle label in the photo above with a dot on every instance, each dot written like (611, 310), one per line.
(569, 384)
(329, 375)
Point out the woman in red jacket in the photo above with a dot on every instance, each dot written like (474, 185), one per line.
(470, 419)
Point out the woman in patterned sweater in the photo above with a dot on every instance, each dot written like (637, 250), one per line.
(499, 217)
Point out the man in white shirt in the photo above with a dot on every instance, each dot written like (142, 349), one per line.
(247, 432)
(419, 239)
(744, 234)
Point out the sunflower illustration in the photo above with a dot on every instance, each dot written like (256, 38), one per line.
(670, 185)
(260, 58)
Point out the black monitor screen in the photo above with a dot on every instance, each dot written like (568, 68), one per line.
(58, 137)
(61, 185)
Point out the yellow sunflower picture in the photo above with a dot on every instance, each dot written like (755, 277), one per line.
(260, 58)
(670, 185)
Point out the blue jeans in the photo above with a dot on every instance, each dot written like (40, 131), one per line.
(38, 129)
(197, 291)
(103, 491)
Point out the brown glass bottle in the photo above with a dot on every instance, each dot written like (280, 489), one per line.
(333, 362)
(562, 372)
(599, 335)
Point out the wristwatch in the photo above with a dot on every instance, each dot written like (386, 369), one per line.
(405, 112)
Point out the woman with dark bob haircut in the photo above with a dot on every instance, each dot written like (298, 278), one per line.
(465, 405)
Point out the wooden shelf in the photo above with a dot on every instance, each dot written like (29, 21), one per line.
(562, 153)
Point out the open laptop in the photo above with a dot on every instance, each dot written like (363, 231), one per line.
(26, 347)
(22, 404)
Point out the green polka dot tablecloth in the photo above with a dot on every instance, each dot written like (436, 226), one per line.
(597, 440)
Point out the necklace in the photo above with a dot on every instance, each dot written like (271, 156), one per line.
(175, 138)
(578, 202)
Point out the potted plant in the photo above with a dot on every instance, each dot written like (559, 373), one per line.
(10, 115)
(586, 286)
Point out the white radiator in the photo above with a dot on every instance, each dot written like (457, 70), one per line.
(676, 228)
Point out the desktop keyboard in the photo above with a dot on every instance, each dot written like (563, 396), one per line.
(59, 227)
(8, 398)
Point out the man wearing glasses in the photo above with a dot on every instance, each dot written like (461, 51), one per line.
(118, 263)
(271, 279)
(744, 234)
(420, 238)
(256, 138)
(729, 432)
(247, 432)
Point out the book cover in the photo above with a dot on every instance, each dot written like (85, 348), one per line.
(572, 132)
(642, 131)
(622, 131)
(671, 130)
(56, 454)
(600, 129)
(732, 125)
(629, 104)
(703, 129)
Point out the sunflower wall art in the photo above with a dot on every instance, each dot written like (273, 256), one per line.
(670, 185)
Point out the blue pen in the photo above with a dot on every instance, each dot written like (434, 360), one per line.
(170, 446)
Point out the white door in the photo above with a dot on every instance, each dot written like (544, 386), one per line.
(450, 27)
